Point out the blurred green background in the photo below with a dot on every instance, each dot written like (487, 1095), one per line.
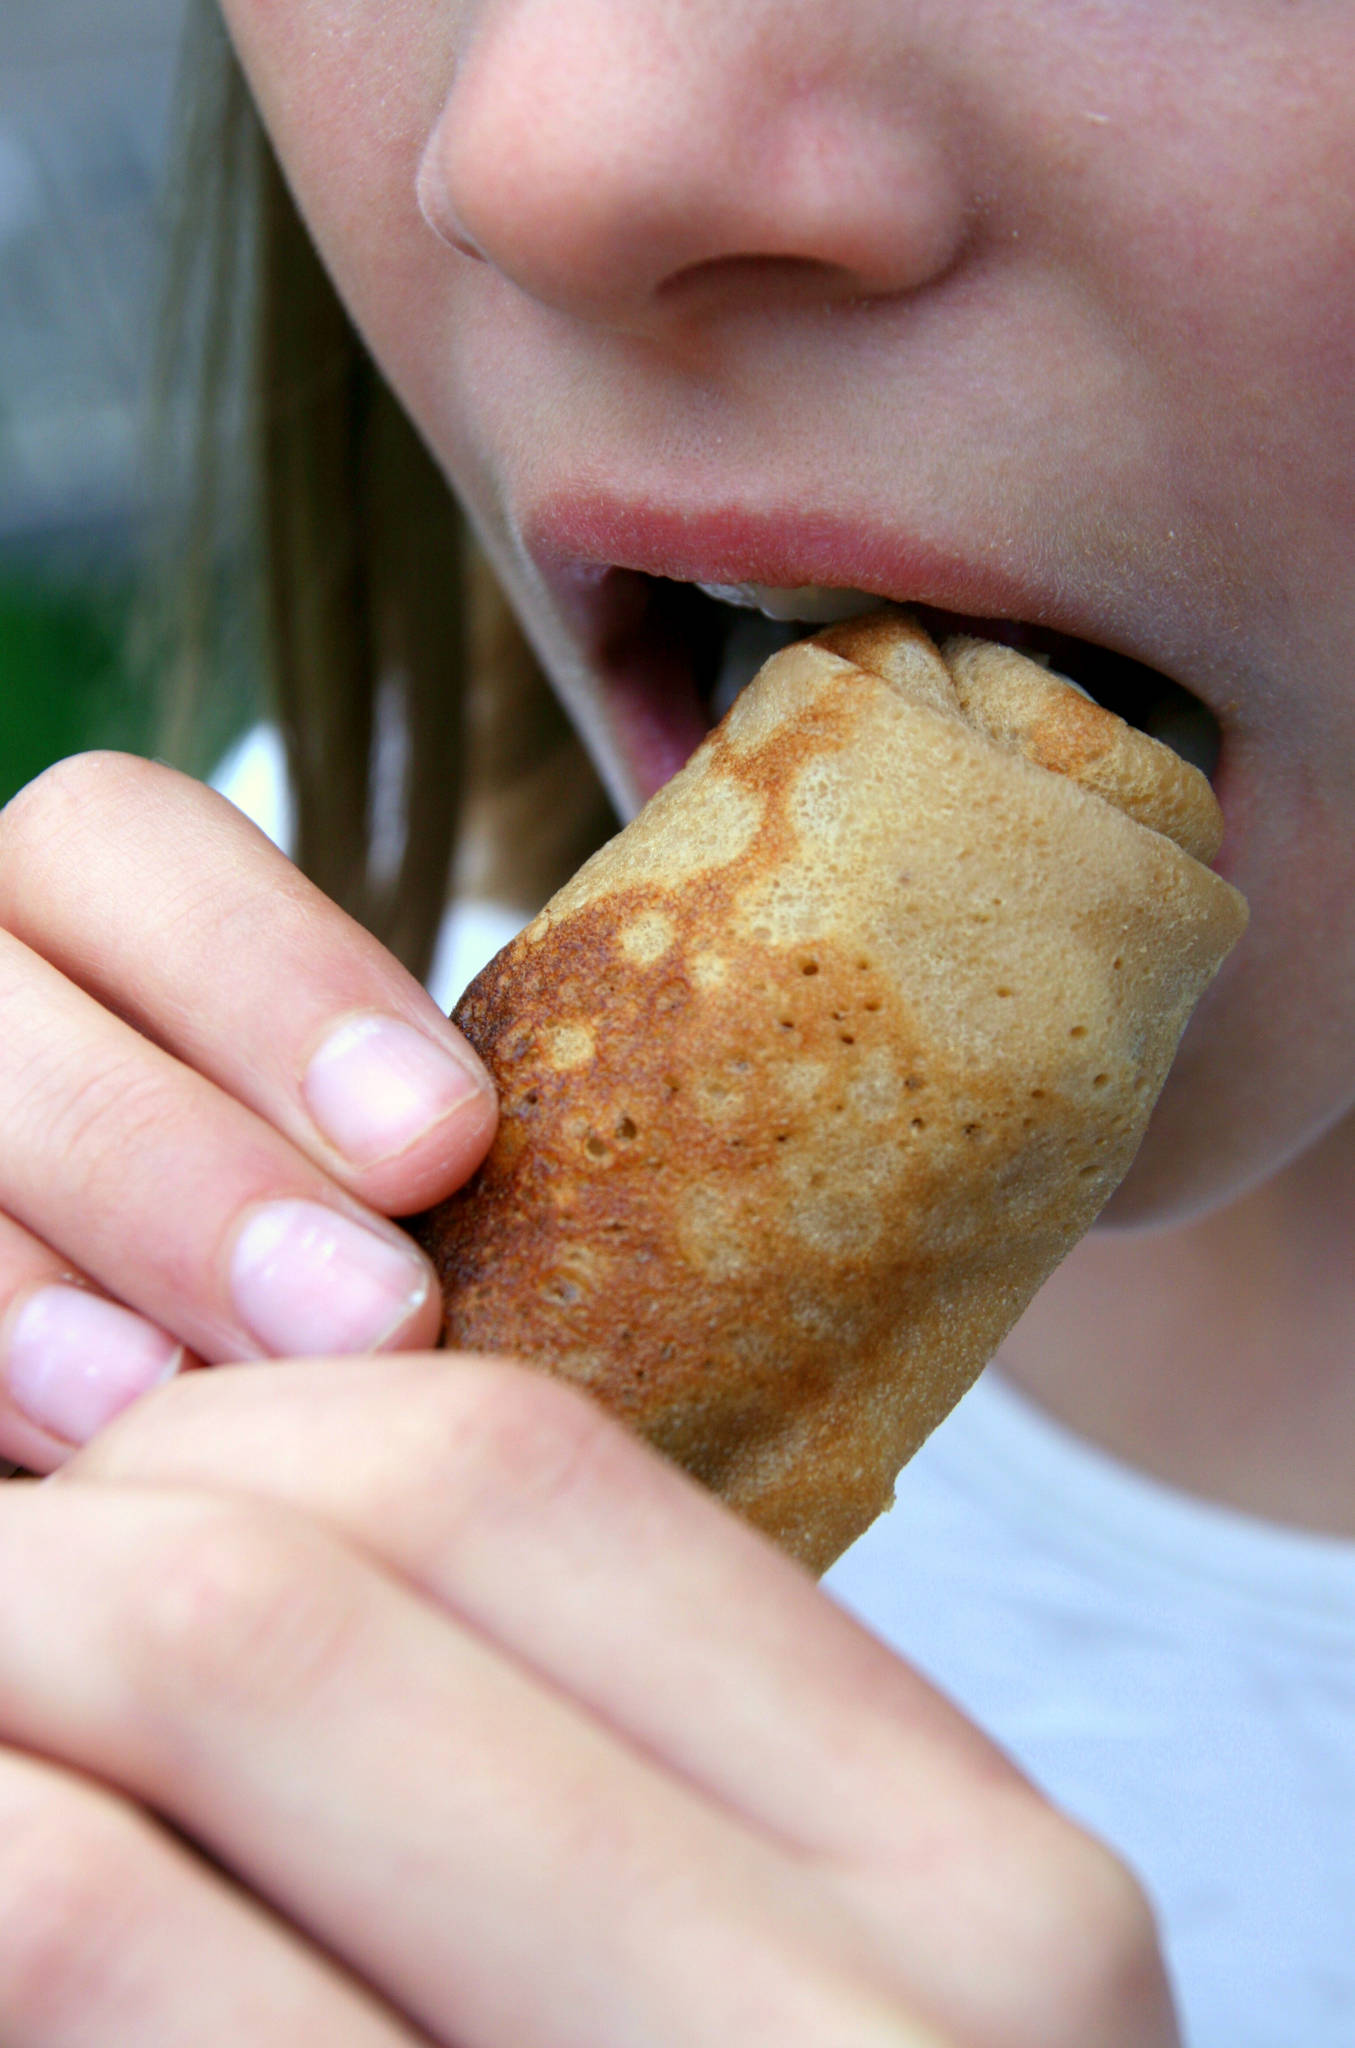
(65, 672)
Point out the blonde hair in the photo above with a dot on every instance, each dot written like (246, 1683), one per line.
(426, 751)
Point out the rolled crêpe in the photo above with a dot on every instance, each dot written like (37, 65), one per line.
(813, 1074)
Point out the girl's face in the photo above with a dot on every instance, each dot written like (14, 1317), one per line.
(1032, 310)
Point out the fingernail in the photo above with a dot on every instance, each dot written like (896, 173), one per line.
(306, 1281)
(75, 1361)
(377, 1084)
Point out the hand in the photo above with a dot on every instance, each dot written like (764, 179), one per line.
(504, 1736)
(215, 1089)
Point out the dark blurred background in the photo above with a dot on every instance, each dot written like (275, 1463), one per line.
(85, 90)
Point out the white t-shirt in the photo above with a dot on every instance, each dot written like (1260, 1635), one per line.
(1177, 1677)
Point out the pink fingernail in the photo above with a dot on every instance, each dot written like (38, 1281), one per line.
(75, 1361)
(307, 1281)
(377, 1084)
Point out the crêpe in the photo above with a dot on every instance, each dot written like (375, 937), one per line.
(813, 1074)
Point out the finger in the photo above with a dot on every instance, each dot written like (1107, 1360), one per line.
(496, 1863)
(168, 906)
(112, 1932)
(178, 1200)
(70, 1359)
(524, 1509)
(626, 1588)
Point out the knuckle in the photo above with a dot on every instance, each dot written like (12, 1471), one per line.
(66, 799)
(71, 1899)
(1097, 1940)
(504, 1438)
(119, 1108)
(104, 1119)
(247, 1614)
(1124, 1955)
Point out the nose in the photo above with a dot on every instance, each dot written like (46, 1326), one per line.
(632, 161)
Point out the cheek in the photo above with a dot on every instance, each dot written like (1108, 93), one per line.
(1232, 244)
(349, 93)
(1268, 1062)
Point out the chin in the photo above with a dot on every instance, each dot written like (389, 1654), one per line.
(1198, 1156)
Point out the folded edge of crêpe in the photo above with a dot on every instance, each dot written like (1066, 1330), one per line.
(812, 1075)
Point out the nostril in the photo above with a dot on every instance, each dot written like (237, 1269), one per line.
(769, 278)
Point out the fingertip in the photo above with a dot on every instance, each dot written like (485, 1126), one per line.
(305, 1279)
(73, 1360)
(26, 1452)
(423, 1329)
(412, 1116)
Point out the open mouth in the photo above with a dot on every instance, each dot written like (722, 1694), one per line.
(700, 645)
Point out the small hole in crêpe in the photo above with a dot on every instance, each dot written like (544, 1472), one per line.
(613, 1230)
(838, 1015)
(873, 1004)
(1099, 1080)
(627, 1129)
(838, 1108)
(531, 1098)
(595, 1148)
(562, 1291)
(1118, 962)
(919, 1123)
(672, 1084)
(1027, 1123)
(783, 1137)
(1078, 1031)
(787, 1023)
(973, 1130)
(845, 1038)
(1037, 1094)
(1086, 1172)
(863, 965)
(809, 967)
(912, 1082)
(1004, 991)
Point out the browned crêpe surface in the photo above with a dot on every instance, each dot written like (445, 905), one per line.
(814, 1073)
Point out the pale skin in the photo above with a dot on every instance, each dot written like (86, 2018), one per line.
(506, 1735)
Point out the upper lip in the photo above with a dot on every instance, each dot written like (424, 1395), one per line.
(573, 539)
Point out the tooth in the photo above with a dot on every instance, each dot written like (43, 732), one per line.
(809, 604)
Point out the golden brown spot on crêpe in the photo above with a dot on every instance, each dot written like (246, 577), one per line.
(568, 1045)
(647, 938)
